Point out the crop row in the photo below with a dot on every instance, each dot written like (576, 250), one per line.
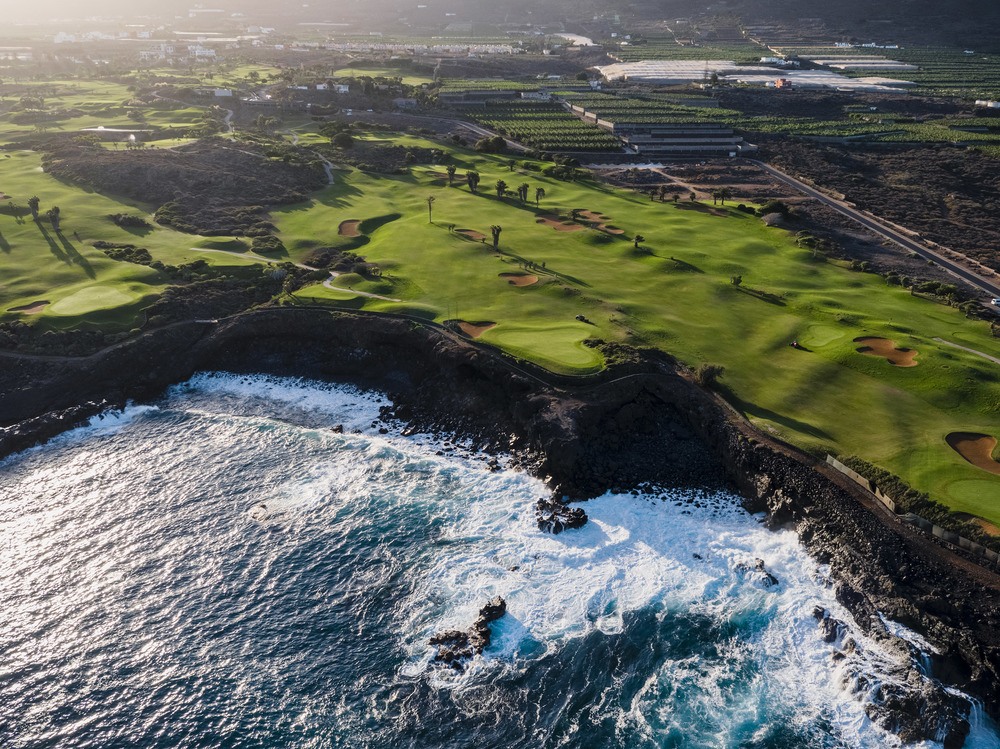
(546, 127)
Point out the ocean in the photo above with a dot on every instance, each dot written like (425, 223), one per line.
(255, 561)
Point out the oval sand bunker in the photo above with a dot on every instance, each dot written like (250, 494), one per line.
(976, 448)
(475, 329)
(886, 349)
(349, 228)
(31, 309)
(519, 279)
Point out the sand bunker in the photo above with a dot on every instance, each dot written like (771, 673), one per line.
(475, 236)
(475, 329)
(883, 347)
(520, 279)
(601, 222)
(349, 228)
(30, 309)
(985, 525)
(975, 448)
(558, 224)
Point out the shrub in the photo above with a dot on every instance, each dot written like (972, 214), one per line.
(707, 375)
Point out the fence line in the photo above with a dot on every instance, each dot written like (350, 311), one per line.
(986, 556)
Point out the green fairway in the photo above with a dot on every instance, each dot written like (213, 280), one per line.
(823, 396)
(674, 292)
(81, 284)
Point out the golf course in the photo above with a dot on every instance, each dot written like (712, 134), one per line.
(876, 372)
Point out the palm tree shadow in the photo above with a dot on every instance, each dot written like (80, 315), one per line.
(53, 247)
(75, 257)
(4, 244)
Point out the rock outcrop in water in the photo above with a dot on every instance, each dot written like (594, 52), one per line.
(457, 647)
(554, 516)
(757, 574)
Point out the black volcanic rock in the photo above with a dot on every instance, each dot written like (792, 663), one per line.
(554, 516)
(457, 647)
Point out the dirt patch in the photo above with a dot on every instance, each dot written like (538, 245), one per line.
(30, 309)
(593, 216)
(475, 329)
(558, 223)
(458, 179)
(349, 228)
(985, 525)
(471, 234)
(520, 279)
(888, 350)
(611, 229)
(975, 448)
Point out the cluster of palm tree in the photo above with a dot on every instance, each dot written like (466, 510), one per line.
(53, 214)
(721, 195)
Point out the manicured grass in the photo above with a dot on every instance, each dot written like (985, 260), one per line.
(81, 283)
(679, 297)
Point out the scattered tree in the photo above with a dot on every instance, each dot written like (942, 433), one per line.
(539, 194)
(342, 140)
(692, 196)
(501, 188)
(522, 191)
(472, 178)
(511, 164)
(736, 280)
(53, 215)
(430, 204)
(637, 240)
(451, 174)
(33, 202)
(495, 231)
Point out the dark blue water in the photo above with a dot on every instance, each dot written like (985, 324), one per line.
(222, 569)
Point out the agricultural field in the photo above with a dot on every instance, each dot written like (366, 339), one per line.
(668, 48)
(545, 126)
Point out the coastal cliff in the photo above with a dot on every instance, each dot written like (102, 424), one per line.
(643, 423)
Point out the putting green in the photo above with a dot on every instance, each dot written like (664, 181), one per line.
(91, 299)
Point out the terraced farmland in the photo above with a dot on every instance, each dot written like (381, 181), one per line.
(546, 126)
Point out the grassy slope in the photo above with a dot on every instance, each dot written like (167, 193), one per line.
(81, 283)
(827, 398)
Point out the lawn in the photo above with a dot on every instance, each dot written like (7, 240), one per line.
(823, 396)
(79, 282)
(675, 293)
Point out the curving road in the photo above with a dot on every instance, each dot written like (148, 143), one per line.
(882, 229)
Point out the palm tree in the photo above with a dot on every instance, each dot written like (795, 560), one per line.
(637, 240)
(692, 197)
(451, 174)
(33, 202)
(430, 204)
(539, 194)
(53, 215)
(501, 188)
(472, 178)
(522, 191)
(495, 230)
(661, 193)
(511, 164)
(724, 193)
(676, 197)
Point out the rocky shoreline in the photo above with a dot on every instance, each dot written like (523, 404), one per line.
(640, 424)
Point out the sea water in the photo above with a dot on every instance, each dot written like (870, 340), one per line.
(228, 568)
